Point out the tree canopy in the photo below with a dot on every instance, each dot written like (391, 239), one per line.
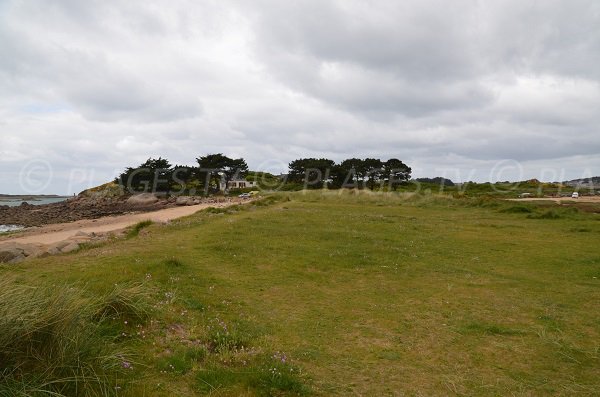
(350, 173)
(214, 172)
(152, 175)
(311, 171)
(158, 175)
(217, 168)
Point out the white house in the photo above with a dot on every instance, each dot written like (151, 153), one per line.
(238, 184)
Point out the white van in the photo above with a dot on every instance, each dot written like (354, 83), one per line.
(575, 195)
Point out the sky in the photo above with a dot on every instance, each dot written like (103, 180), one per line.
(465, 89)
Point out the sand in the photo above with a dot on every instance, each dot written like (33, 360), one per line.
(50, 234)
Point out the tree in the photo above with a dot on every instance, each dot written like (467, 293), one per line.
(217, 168)
(183, 177)
(396, 173)
(235, 169)
(373, 169)
(154, 175)
(351, 173)
(313, 172)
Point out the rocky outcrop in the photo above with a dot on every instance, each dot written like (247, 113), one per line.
(13, 252)
(77, 208)
(88, 207)
(11, 255)
(187, 200)
(142, 199)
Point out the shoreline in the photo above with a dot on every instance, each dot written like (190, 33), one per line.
(81, 207)
(54, 233)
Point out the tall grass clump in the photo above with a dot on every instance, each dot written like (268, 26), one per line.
(53, 342)
(517, 209)
(137, 228)
(128, 302)
(556, 213)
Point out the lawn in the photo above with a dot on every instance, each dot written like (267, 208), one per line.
(348, 294)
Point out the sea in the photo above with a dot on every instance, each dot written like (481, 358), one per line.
(38, 201)
(13, 202)
(9, 228)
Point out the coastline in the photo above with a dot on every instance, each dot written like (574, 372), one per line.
(52, 239)
(77, 208)
(58, 232)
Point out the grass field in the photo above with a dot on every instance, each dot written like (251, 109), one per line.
(346, 294)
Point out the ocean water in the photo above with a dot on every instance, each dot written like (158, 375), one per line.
(40, 201)
(9, 228)
(14, 203)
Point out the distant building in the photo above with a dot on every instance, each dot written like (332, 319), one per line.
(238, 184)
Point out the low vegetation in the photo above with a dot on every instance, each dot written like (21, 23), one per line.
(55, 340)
(312, 293)
(135, 230)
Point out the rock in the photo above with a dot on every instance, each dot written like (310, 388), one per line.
(80, 240)
(17, 259)
(62, 244)
(81, 233)
(142, 199)
(36, 253)
(31, 250)
(184, 200)
(52, 251)
(8, 254)
(70, 248)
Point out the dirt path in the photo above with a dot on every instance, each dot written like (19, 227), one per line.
(60, 232)
(581, 199)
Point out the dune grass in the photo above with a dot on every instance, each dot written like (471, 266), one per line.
(135, 230)
(339, 293)
(56, 341)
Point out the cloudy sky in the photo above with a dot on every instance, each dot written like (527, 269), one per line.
(472, 90)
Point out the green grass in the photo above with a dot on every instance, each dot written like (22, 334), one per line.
(135, 230)
(56, 341)
(347, 293)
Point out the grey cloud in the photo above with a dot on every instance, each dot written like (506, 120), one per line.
(464, 84)
(431, 47)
